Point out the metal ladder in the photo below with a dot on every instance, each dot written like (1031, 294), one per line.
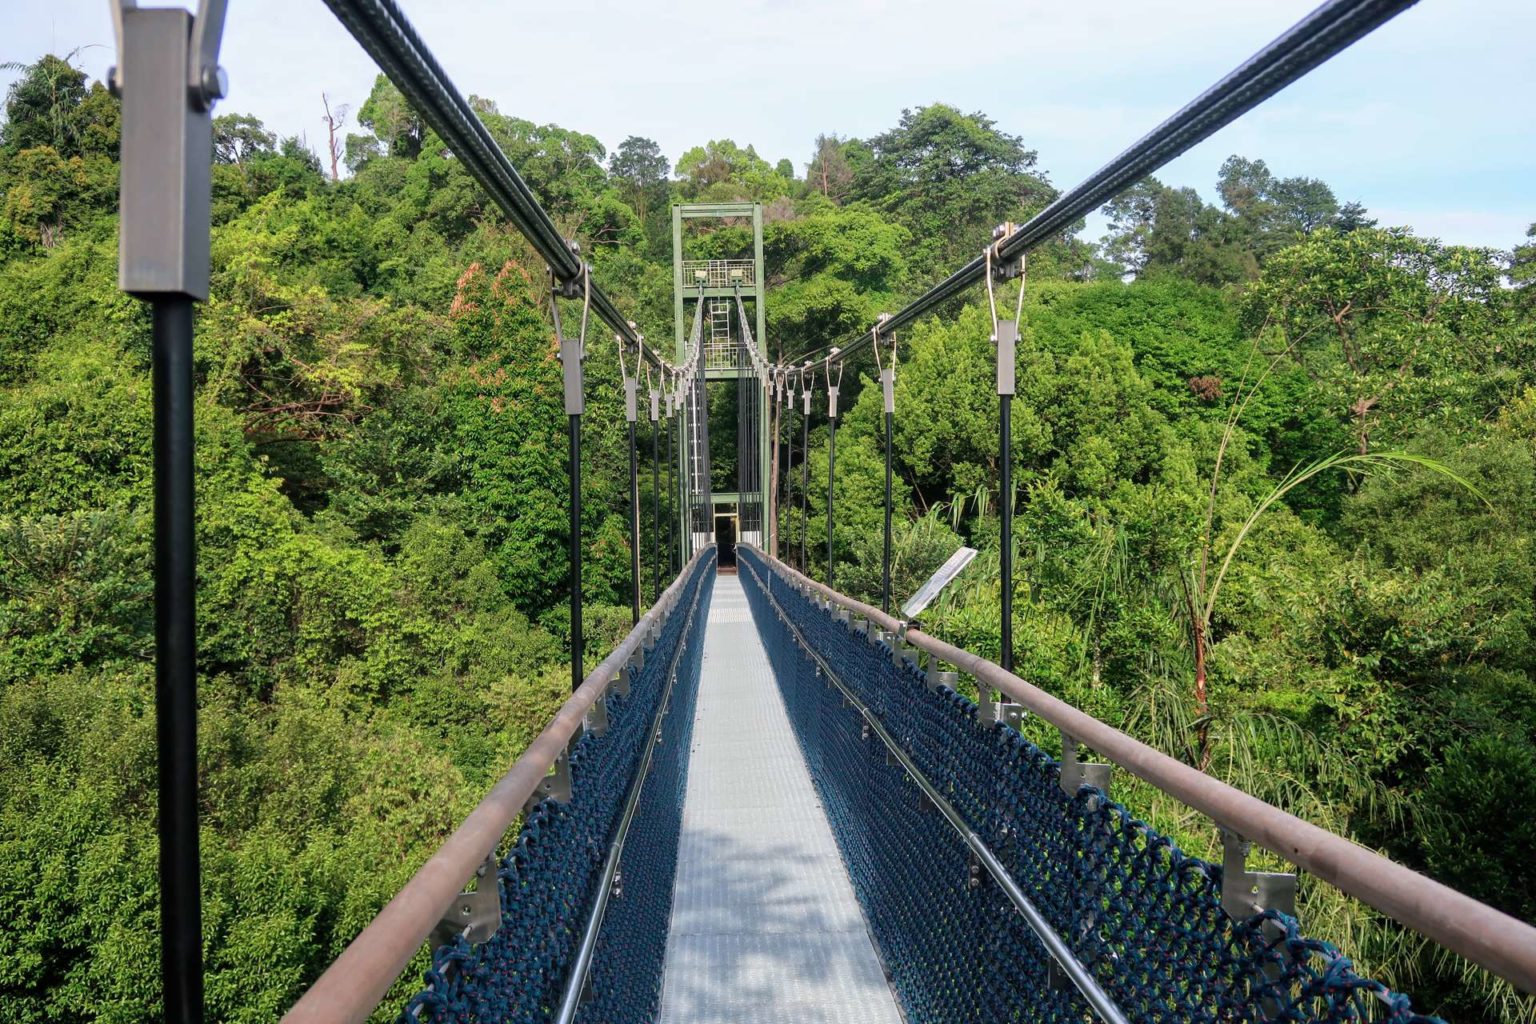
(722, 346)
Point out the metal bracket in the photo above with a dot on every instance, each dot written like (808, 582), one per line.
(571, 357)
(1011, 715)
(975, 874)
(655, 405)
(945, 678)
(831, 402)
(573, 287)
(168, 78)
(1245, 893)
(1076, 774)
(888, 387)
(596, 721)
(556, 786)
(475, 915)
(1004, 270)
(631, 399)
(1007, 339)
(986, 707)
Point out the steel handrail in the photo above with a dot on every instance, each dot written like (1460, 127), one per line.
(1055, 946)
(1488, 937)
(570, 1001)
(361, 976)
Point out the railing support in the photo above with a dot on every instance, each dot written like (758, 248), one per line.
(168, 79)
(632, 413)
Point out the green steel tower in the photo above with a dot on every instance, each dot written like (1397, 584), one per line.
(735, 348)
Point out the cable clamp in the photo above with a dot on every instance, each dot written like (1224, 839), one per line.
(999, 269)
(574, 286)
(573, 351)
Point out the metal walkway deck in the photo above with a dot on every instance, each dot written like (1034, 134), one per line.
(765, 925)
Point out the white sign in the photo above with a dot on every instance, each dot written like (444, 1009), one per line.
(937, 582)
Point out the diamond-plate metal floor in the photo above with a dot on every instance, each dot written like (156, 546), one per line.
(765, 926)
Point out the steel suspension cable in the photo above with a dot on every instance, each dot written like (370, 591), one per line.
(390, 39)
(1326, 32)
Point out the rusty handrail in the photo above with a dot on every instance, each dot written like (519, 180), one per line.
(1488, 937)
(360, 977)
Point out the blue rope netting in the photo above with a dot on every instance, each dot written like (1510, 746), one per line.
(549, 878)
(1145, 918)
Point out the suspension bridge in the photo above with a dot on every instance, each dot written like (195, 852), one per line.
(771, 801)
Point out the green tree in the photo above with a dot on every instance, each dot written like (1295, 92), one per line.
(1387, 322)
(950, 178)
(392, 120)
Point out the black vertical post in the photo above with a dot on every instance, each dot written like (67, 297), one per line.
(831, 481)
(163, 259)
(1005, 499)
(576, 637)
(674, 505)
(655, 510)
(181, 930)
(885, 574)
(634, 524)
(805, 476)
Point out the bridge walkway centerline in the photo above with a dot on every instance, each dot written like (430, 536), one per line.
(765, 926)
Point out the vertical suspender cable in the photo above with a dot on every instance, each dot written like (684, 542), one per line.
(743, 471)
(572, 352)
(1005, 507)
(656, 489)
(631, 414)
(888, 394)
(675, 486)
(575, 554)
(181, 943)
(634, 528)
(1005, 334)
(805, 464)
(831, 465)
(168, 79)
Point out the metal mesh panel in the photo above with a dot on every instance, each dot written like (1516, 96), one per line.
(549, 877)
(1145, 918)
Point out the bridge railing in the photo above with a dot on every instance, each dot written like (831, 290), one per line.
(1133, 909)
(598, 746)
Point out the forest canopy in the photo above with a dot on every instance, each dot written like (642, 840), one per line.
(1339, 414)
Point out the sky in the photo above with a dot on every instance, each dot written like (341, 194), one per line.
(1428, 121)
